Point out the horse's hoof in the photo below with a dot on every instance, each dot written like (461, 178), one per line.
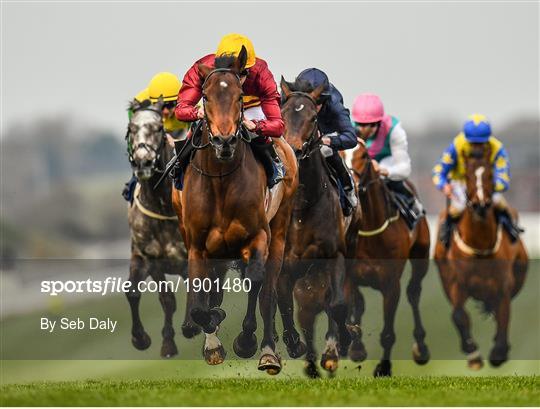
(474, 361)
(168, 349)
(383, 368)
(421, 355)
(357, 352)
(270, 363)
(497, 358)
(330, 362)
(310, 369)
(190, 330)
(245, 347)
(297, 350)
(214, 356)
(141, 343)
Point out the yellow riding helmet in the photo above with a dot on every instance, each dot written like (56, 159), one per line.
(232, 44)
(166, 85)
(143, 95)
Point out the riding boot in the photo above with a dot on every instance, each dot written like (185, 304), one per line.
(183, 149)
(412, 208)
(269, 158)
(505, 219)
(129, 188)
(446, 230)
(345, 178)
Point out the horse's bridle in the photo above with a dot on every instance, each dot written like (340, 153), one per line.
(362, 184)
(313, 142)
(157, 150)
(238, 130)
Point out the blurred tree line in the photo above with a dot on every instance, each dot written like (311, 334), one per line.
(61, 181)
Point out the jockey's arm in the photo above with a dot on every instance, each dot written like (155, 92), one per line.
(398, 164)
(189, 95)
(446, 163)
(501, 171)
(345, 137)
(273, 126)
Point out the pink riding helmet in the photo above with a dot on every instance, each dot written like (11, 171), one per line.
(367, 108)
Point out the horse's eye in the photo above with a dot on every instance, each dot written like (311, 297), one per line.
(133, 128)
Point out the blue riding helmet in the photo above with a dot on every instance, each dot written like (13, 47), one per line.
(315, 78)
(477, 129)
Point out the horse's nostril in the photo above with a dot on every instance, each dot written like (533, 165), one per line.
(233, 140)
(147, 163)
(216, 140)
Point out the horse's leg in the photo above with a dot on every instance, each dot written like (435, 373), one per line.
(198, 308)
(306, 317)
(245, 344)
(338, 307)
(391, 295)
(458, 297)
(419, 258)
(270, 361)
(357, 351)
(137, 273)
(295, 347)
(330, 356)
(499, 353)
(168, 303)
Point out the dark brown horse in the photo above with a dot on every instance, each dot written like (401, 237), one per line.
(156, 244)
(224, 215)
(380, 244)
(315, 251)
(481, 261)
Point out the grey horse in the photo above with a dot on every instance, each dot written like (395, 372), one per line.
(156, 244)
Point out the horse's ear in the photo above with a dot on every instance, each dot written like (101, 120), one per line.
(285, 87)
(316, 93)
(134, 105)
(241, 60)
(204, 69)
(160, 103)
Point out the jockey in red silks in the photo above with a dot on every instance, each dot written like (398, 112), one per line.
(262, 114)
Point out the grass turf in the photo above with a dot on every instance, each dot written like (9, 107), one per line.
(397, 391)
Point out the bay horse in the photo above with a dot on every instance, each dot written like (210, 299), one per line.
(481, 261)
(156, 244)
(227, 213)
(379, 245)
(315, 250)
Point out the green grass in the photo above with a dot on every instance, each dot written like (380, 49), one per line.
(397, 391)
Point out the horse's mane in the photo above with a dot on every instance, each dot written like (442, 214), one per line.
(225, 61)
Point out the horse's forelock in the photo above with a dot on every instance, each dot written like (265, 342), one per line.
(225, 61)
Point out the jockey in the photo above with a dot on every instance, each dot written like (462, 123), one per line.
(449, 175)
(262, 115)
(165, 85)
(386, 142)
(335, 124)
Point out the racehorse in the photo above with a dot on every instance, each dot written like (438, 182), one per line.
(481, 261)
(315, 250)
(227, 213)
(379, 245)
(156, 244)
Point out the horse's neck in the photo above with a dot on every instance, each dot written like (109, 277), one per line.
(374, 202)
(313, 178)
(477, 232)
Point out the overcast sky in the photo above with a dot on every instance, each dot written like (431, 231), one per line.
(426, 60)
